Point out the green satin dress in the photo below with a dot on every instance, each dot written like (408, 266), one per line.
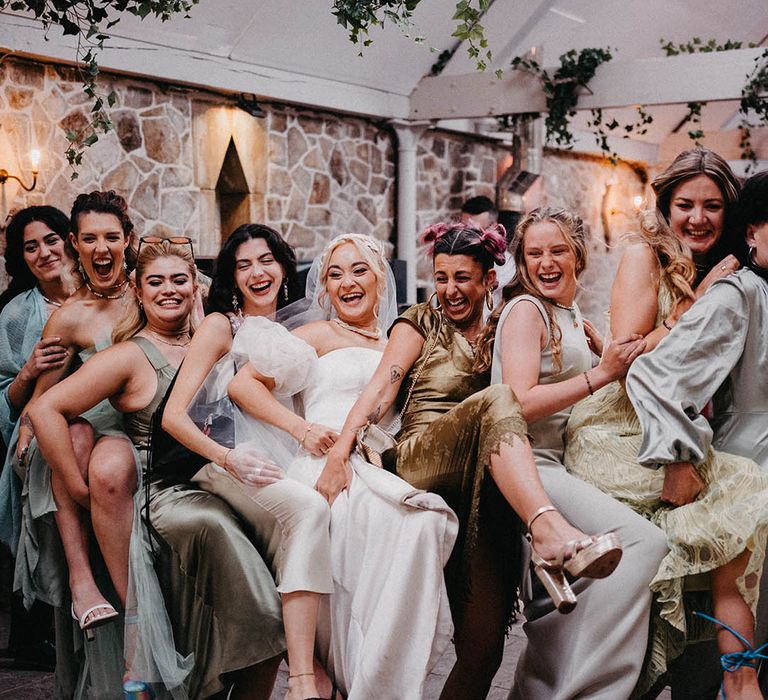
(453, 423)
(219, 594)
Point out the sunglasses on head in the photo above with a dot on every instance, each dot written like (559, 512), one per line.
(175, 240)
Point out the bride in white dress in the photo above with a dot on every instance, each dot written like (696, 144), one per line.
(388, 620)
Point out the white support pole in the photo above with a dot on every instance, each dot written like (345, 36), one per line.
(408, 134)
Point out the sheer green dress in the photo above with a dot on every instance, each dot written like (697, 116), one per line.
(452, 425)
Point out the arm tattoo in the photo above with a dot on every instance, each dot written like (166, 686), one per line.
(373, 416)
(396, 373)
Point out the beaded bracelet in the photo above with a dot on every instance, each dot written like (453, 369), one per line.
(589, 384)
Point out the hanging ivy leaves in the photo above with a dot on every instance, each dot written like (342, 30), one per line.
(88, 20)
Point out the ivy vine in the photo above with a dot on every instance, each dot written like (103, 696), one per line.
(88, 20)
(358, 17)
(577, 68)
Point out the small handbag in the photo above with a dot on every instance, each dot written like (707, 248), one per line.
(372, 441)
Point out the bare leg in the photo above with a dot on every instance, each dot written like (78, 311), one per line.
(112, 483)
(72, 522)
(730, 608)
(256, 682)
(479, 636)
(300, 621)
(517, 477)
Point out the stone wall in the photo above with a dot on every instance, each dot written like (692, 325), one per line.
(328, 175)
(310, 175)
(450, 169)
(602, 194)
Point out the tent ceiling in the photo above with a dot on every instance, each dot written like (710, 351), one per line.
(296, 52)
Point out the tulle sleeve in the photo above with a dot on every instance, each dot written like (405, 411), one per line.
(276, 353)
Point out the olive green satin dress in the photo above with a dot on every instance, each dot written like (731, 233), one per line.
(219, 594)
(453, 423)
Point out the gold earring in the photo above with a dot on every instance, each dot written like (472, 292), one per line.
(431, 297)
(489, 299)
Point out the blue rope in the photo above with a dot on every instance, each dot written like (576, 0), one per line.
(732, 662)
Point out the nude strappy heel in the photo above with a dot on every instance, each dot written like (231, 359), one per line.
(589, 557)
(550, 573)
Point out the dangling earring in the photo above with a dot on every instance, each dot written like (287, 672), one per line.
(489, 299)
(235, 304)
(285, 290)
(429, 301)
(81, 270)
(750, 253)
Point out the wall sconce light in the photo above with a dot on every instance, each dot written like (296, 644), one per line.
(34, 157)
(248, 103)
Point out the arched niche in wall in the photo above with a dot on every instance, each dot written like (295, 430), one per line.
(232, 193)
(230, 159)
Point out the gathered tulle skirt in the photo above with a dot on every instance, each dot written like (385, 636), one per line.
(731, 514)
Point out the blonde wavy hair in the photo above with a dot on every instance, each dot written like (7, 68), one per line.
(676, 267)
(574, 233)
(134, 318)
(372, 253)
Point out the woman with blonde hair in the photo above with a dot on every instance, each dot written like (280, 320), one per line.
(382, 529)
(152, 335)
(713, 523)
(542, 350)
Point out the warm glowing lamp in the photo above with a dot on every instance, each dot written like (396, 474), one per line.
(34, 157)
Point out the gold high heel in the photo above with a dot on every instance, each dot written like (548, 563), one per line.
(551, 573)
(590, 557)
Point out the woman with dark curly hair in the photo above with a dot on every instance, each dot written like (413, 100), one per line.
(255, 275)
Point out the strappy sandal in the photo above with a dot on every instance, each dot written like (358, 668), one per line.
(589, 557)
(86, 625)
(735, 660)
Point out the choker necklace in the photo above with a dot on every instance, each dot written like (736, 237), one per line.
(373, 335)
(160, 339)
(571, 308)
(119, 295)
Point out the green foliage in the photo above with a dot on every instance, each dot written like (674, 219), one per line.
(561, 89)
(359, 16)
(88, 20)
(751, 101)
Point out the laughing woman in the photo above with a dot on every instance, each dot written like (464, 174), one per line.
(101, 232)
(128, 375)
(467, 442)
(254, 272)
(38, 258)
(382, 529)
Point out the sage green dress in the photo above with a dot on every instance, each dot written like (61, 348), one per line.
(603, 441)
(452, 424)
(220, 596)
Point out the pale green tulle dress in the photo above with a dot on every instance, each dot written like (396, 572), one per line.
(602, 445)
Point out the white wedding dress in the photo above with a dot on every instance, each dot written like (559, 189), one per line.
(388, 621)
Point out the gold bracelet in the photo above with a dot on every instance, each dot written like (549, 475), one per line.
(304, 437)
(589, 384)
(226, 457)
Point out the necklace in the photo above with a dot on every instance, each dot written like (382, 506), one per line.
(51, 301)
(160, 339)
(373, 335)
(571, 308)
(472, 343)
(119, 295)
